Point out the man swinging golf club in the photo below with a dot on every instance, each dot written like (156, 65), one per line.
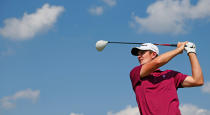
(156, 90)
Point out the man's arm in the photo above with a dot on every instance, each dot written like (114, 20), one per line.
(197, 76)
(161, 60)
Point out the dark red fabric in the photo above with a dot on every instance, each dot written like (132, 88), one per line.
(156, 94)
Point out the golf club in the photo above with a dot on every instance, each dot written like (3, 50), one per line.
(101, 44)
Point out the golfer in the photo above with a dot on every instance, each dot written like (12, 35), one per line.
(156, 90)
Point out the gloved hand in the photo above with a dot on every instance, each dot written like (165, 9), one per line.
(190, 48)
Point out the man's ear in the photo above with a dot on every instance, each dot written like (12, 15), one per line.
(154, 55)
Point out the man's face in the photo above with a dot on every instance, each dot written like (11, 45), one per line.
(145, 56)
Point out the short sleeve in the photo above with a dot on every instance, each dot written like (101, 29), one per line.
(178, 79)
(135, 76)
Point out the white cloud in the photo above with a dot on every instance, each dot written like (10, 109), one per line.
(127, 111)
(189, 109)
(75, 114)
(31, 24)
(206, 87)
(110, 2)
(98, 10)
(8, 102)
(171, 16)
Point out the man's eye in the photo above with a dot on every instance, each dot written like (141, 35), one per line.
(141, 53)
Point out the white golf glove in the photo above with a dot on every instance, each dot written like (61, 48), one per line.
(190, 48)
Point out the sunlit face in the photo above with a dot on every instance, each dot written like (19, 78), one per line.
(145, 56)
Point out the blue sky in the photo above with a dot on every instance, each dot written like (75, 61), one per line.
(50, 66)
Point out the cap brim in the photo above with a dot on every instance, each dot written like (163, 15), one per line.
(134, 51)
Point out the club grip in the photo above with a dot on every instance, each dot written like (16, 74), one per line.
(173, 45)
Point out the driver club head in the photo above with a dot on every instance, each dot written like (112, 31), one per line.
(101, 44)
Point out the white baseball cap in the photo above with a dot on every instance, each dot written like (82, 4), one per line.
(145, 46)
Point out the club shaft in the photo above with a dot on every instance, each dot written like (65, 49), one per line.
(173, 45)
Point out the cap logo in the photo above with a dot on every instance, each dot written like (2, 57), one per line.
(144, 44)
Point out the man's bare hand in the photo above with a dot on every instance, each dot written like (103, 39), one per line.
(181, 46)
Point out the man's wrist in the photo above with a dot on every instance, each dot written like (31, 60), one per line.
(191, 53)
(179, 50)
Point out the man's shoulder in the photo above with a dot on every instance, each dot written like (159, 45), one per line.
(170, 72)
(136, 67)
(163, 71)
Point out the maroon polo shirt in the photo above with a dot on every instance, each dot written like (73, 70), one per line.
(156, 94)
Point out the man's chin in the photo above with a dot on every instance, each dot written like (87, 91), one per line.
(141, 63)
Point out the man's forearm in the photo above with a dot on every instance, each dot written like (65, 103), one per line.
(166, 57)
(196, 69)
